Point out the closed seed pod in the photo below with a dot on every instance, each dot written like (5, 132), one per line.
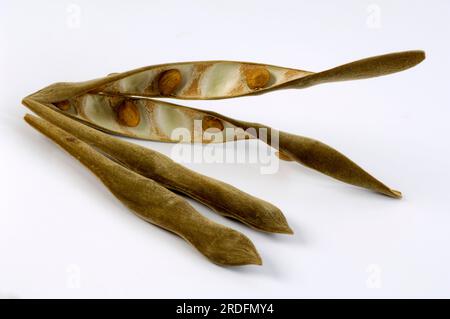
(94, 102)
(315, 155)
(221, 197)
(155, 204)
(121, 103)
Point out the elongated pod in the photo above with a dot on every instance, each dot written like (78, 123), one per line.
(155, 204)
(224, 79)
(363, 69)
(149, 119)
(221, 197)
(316, 155)
(304, 150)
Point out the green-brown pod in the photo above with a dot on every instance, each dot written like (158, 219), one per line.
(148, 119)
(119, 103)
(221, 197)
(155, 204)
(307, 151)
(225, 79)
(316, 155)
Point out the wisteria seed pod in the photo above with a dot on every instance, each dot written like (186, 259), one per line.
(155, 204)
(221, 197)
(225, 79)
(149, 119)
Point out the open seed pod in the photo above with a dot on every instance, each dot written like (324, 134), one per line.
(149, 119)
(227, 79)
(156, 204)
(120, 104)
(219, 196)
(304, 150)
(144, 180)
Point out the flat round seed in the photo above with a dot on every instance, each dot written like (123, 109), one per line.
(212, 122)
(128, 114)
(257, 77)
(169, 81)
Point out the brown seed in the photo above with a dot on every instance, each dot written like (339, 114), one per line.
(63, 105)
(212, 122)
(128, 114)
(169, 81)
(257, 77)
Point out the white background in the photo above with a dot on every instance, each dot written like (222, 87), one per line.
(62, 234)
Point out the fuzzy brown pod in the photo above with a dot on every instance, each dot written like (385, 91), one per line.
(156, 204)
(316, 155)
(122, 104)
(148, 119)
(227, 79)
(306, 151)
(219, 196)
(202, 80)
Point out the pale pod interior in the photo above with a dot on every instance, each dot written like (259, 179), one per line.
(150, 119)
(203, 80)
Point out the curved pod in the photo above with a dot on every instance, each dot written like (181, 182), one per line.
(221, 197)
(155, 204)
